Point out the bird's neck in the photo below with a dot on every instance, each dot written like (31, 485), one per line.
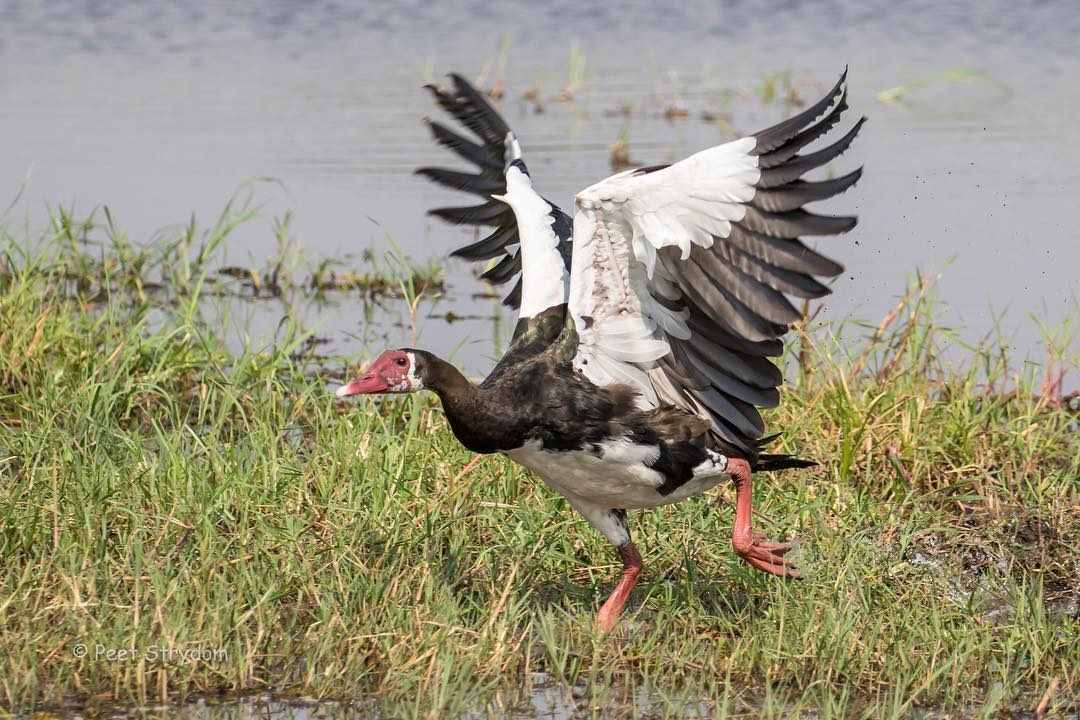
(476, 415)
(446, 381)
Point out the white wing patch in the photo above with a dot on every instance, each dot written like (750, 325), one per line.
(621, 223)
(541, 262)
(412, 381)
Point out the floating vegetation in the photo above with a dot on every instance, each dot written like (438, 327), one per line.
(575, 80)
(499, 69)
(91, 260)
(619, 157)
(901, 92)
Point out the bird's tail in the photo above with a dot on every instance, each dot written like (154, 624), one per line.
(771, 462)
(767, 462)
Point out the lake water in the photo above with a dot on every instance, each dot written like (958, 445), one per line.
(161, 109)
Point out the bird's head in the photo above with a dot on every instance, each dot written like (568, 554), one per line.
(395, 371)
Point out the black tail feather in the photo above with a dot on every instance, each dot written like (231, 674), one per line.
(768, 462)
(771, 462)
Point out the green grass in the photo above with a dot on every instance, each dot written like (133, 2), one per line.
(158, 490)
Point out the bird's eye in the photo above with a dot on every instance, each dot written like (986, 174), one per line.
(402, 362)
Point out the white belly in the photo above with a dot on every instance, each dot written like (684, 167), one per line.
(618, 478)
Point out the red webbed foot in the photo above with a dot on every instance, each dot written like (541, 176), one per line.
(754, 547)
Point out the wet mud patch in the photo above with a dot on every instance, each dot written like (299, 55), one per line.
(984, 554)
(236, 707)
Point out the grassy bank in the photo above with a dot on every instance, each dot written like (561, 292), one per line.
(160, 493)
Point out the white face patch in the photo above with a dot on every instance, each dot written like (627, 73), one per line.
(412, 380)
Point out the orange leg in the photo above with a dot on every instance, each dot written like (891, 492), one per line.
(752, 546)
(609, 613)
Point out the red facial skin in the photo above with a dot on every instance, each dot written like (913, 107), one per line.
(388, 374)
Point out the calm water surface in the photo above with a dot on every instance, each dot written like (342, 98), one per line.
(160, 109)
